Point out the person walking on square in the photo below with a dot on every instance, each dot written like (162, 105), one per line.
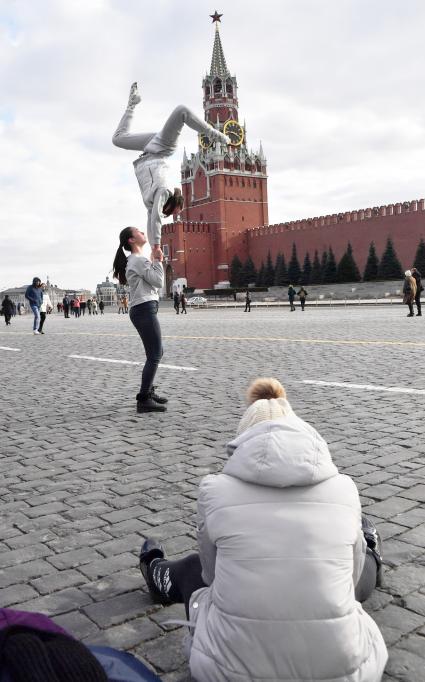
(94, 307)
(183, 302)
(35, 296)
(83, 305)
(284, 556)
(302, 294)
(176, 300)
(101, 306)
(291, 296)
(7, 309)
(144, 277)
(419, 288)
(151, 167)
(77, 310)
(66, 306)
(409, 291)
(89, 305)
(247, 301)
(46, 307)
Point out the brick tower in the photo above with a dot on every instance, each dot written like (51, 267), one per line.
(224, 186)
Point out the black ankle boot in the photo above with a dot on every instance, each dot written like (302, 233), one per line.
(374, 544)
(149, 405)
(157, 398)
(151, 549)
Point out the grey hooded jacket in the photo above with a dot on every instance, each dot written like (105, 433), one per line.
(281, 547)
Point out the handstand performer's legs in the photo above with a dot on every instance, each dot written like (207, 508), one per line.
(122, 138)
(177, 119)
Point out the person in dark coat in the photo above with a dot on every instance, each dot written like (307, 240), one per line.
(176, 300)
(34, 295)
(302, 294)
(7, 309)
(66, 304)
(183, 303)
(291, 296)
(101, 306)
(247, 302)
(419, 288)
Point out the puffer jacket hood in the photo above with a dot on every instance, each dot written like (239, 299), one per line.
(280, 453)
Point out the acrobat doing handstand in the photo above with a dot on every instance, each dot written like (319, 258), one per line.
(151, 167)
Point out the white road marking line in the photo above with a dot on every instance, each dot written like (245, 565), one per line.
(365, 387)
(7, 348)
(132, 362)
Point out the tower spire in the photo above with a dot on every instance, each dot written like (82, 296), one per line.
(218, 60)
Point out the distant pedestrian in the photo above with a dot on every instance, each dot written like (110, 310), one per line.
(302, 294)
(77, 308)
(89, 305)
(65, 306)
(18, 307)
(125, 304)
(101, 306)
(7, 309)
(291, 296)
(176, 300)
(83, 305)
(409, 291)
(94, 307)
(183, 303)
(419, 288)
(35, 296)
(235, 298)
(45, 308)
(247, 302)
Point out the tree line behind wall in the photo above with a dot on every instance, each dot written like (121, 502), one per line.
(322, 269)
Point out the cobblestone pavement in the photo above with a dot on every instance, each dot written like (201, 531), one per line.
(84, 479)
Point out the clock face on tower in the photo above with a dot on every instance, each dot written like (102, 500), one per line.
(205, 141)
(234, 130)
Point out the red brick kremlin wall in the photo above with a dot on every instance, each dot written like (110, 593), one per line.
(404, 223)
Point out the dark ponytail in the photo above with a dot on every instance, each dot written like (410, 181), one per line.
(120, 260)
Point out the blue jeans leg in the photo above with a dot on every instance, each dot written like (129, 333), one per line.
(36, 312)
(145, 318)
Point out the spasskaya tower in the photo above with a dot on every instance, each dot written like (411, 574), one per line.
(224, 187)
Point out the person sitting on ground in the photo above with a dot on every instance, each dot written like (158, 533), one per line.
(409, 291)
(282, 559)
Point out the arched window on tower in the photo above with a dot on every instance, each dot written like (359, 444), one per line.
(227, 163)
(207, 91)
(237, 163)
(229, 87)
(248, 164)
(217, 86)
(258, 165)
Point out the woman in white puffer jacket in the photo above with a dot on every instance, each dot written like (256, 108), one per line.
(281, 550)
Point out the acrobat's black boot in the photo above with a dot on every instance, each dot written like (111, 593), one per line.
(374, 545)
(148, 404)
(152, 549)
(157, 398)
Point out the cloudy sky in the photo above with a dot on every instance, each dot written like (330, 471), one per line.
(333, 89)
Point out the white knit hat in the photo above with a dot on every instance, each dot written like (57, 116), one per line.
(268, 401)
(408, 273)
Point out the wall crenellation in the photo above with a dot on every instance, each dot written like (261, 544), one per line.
(342, 217)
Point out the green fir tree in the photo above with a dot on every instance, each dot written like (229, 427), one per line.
(280, 271)
(294, 269)
(347, 270)
(261, 276)
(306, 274)
(329, 275)
(419, 262)
(269, 272)
(235, 271)
(316, 270)
(372, 265)
(390, 266)
(248, 274)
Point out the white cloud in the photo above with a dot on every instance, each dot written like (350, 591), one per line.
(333, 90)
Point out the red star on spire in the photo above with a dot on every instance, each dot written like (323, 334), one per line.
(216, 17)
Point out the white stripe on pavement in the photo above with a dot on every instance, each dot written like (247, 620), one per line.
(365, 387)
(7, 348)
(131, 362)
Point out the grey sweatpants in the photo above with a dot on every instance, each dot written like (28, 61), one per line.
(151, 167)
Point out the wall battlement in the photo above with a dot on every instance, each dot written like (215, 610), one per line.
(338, 218)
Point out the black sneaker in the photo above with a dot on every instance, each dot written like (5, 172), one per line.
(157, 398)
(149, 405)
(374, 544)
(152, 549)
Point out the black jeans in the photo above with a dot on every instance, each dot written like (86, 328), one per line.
(145, 318)
(418, 302)
(42, 320)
